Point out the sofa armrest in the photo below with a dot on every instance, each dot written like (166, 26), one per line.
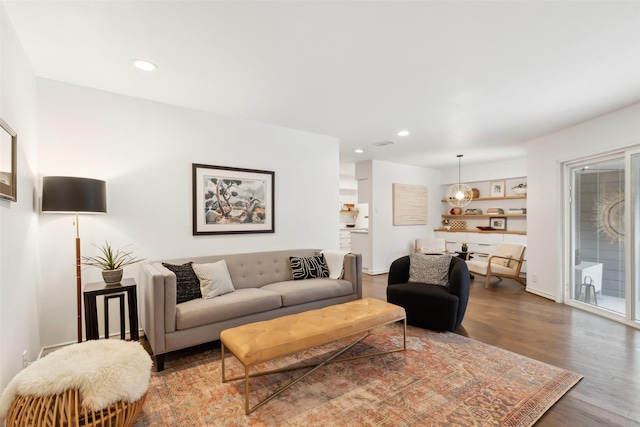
(153, 284)
(353, 271)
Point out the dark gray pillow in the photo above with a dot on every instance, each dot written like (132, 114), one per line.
(429, 269)
(309, 267)
(187, 283)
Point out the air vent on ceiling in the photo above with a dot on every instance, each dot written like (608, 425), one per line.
(383, 143)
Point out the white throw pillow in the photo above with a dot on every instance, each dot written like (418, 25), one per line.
(214, 279)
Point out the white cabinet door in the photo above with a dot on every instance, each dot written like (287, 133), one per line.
(484, 242)
(453, 240)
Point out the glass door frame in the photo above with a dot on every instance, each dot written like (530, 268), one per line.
(630, 230)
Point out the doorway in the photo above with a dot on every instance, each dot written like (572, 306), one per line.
(598, 234)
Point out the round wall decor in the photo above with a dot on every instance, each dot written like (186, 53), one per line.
(609, 213)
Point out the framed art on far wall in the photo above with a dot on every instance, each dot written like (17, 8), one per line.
(229, 200)
(498, 223)
(497, 189)
(8, 164)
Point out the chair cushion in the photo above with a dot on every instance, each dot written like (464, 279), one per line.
(509, 250)
(429, 269)
(480, 267)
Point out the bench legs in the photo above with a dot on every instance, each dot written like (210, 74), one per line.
(315, 366)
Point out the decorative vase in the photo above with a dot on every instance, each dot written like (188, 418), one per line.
(520, 191)
(464, 248)
(475, 192)
(112, 277)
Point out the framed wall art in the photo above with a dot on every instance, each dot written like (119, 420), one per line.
(497, 189)
(498, 223)
(409, 204)
(229, 200)
(8, 164)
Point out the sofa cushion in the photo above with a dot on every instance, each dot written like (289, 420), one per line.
(242, 302)
(429, 269)
(187, 283)
(214, 279)
(302, 291)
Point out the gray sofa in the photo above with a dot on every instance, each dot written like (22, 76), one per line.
(264, 289)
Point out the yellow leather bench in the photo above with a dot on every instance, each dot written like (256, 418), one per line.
(260, 342)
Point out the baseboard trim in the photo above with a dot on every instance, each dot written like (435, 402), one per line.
(51, 348)
(541, 294)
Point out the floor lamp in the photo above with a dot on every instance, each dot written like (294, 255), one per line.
(64, 194)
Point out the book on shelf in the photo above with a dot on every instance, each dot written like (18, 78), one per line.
(496, 211)
(517, 211)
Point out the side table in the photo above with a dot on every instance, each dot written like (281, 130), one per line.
(92, 290)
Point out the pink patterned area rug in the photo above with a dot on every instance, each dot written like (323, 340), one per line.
(443, 379)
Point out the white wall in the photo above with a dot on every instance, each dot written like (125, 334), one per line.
(388, 241)
(18, 220)
(144, 151)
(513, 168)
(545, 190)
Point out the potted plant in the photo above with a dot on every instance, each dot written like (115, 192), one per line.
(520, 189)
(464, 247)
(111, 261)
(445, 224)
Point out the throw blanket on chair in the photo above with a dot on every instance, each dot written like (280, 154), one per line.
(335, 262)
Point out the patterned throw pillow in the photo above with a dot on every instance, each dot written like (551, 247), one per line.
(187, 283)
(214, 279)
(309, 267)
(429, 269)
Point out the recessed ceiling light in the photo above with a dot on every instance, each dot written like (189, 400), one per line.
(359, 150)
(403, 133)
(143, 65)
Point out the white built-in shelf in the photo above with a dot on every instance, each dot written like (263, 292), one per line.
(449, 216)
(497, 199)
(482, 231)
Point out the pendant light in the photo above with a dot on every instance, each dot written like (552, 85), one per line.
(459, 195)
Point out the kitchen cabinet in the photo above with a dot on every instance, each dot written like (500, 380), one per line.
(345, 240)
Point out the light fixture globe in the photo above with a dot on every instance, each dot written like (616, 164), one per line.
(459, 195)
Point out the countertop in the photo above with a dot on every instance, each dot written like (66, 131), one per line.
(360, 230)
(355, 229)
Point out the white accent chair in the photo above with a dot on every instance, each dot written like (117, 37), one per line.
(505, 262)
(430, 246)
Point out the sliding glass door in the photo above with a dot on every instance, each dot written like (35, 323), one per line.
(598, 234)
(634, 186)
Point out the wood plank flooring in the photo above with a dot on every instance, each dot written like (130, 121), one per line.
(605, 352)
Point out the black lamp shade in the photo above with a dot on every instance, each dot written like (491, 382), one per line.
(72, 194)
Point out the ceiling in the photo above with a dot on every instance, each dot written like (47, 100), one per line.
(463, 77)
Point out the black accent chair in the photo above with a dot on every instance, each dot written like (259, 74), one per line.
(432, 307)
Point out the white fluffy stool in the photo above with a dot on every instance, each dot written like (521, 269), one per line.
(94, 383)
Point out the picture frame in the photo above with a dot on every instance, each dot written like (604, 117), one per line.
(229, 200)
(8, 162)
(497, 189)
(498, 222)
